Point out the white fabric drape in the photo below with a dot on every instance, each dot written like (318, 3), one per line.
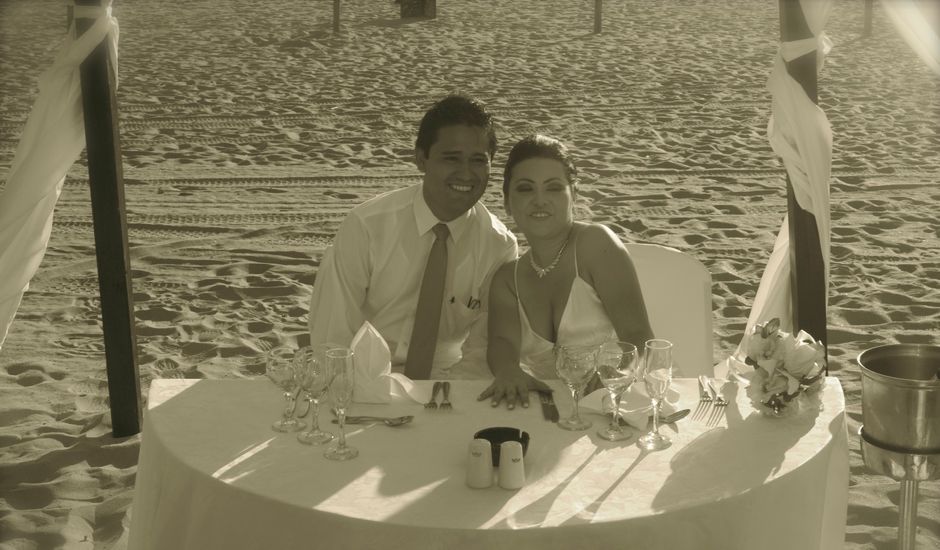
(799, 132)
(52, 140)
(912, 20)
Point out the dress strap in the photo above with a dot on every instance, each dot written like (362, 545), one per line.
(574, 250)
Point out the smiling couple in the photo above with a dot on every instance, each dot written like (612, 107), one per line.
(429, 260)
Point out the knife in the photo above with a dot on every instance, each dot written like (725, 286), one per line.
(549, 410)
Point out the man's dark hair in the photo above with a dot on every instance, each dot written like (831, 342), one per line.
(450, 111)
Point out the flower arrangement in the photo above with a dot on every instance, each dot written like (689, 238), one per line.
(785, 365)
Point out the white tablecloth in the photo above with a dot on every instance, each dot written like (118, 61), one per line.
(212, 474)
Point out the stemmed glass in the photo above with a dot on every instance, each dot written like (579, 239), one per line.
(314, 379)
(339, 361)
(616, 367)
(575, 365)
(279, 367)
(657, 375)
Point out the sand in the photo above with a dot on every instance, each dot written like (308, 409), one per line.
(249, 129)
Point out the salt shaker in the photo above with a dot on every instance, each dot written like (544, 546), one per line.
(511, 466)
(480, 464)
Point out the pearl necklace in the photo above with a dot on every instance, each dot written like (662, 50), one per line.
(541, 272)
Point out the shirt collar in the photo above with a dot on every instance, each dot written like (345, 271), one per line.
(425, 219)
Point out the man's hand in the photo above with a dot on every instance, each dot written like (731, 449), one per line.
(513, 387)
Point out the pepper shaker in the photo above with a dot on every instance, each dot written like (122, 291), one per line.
(511, 465)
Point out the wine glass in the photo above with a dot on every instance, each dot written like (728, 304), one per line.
(616, 367)
(339, 361)
(279, 367)
(657, 375)
(575, 365)
(314, 379)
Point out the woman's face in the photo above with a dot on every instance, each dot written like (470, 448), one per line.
(540, 199)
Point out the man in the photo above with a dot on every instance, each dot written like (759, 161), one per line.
(416, 262)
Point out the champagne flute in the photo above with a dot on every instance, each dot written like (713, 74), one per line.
(575, 365)
(616, 367)
(657, 375)
(314, 379)
(340, 364)
(279, 367)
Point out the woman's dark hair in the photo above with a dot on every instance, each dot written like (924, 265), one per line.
(450, 111)
(539, 146)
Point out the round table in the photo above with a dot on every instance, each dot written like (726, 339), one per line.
(212, 474)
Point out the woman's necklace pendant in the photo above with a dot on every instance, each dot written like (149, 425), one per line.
(543, 271)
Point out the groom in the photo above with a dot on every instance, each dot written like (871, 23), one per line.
(417, 262)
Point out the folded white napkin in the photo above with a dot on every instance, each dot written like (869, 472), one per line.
(635, 406)
(372, 361)
(375, 381)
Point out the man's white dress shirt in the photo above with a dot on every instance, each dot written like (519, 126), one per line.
(373, 272)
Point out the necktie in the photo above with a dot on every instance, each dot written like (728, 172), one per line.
(428, 314)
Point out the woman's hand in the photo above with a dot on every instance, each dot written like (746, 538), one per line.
(513, 387)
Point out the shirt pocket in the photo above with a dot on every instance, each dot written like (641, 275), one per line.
(462, 316)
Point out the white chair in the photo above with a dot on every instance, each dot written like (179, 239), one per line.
(677, 289)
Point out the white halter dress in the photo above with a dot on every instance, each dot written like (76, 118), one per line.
(583, 322)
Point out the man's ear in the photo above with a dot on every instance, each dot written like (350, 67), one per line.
(506, 205)
(574, 190)
(420, 159)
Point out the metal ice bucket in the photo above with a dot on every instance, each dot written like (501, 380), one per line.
(901, 397)
(900, 434)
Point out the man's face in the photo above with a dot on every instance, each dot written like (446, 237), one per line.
(456, 170)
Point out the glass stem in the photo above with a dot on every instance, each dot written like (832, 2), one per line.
(615, 414)
(292, 403)
(314, 415)
(576, 395)
(289, 405)
(656, 416)
(342, 431)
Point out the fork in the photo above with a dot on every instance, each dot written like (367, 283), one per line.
(445, 404)
(704, 398)
(432, 403)
(720, 402)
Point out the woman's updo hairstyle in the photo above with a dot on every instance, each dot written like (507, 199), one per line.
(539, 146)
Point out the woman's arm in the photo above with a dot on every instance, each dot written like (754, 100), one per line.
(502, 353)
(605, 264)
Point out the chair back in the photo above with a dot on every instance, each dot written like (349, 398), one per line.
(677, 289)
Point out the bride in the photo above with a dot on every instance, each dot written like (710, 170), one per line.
(576, 285)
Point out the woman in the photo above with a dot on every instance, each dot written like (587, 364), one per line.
(576, 285)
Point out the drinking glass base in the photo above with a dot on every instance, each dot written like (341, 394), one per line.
(574, 424)
(285, 426)
(612, 434)
(653, 442)
(341, 453)
(318, 437)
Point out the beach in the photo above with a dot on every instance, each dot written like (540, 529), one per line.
(249, 129)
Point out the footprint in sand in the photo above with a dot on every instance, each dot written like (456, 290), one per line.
(166, 368)
(28, 374)
(339, 195)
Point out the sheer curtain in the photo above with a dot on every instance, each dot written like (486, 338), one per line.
(52, 140)
(800, 134)
(918, 22)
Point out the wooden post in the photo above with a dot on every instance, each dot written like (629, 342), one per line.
(107, 206)
(807, 268)
(419, 8)
(335, 16)
(598, 8)
(866, 31)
